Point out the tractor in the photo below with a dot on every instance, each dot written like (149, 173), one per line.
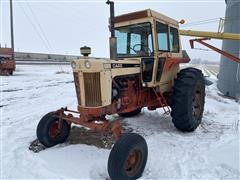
(7, 57)
(143, 72)
(7, 62)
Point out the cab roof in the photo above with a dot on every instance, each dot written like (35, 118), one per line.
(144, 14)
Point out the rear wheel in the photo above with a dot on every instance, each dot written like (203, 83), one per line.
(130, 114)
(188, 99)
(128, 157)
(48, 131)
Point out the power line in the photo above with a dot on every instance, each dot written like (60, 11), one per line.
(195, 23)
(202, 21)
(40, 27)
(36, 29)
(72, 15)
(45, 41)
(228, 19)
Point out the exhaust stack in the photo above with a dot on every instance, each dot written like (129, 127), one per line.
(112, 39)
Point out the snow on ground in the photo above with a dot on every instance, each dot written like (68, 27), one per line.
(211, 152)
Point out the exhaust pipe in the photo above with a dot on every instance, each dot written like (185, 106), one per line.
(112, 39)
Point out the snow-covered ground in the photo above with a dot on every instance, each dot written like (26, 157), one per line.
(211, 152)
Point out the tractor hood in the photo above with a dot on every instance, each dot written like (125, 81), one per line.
(93, 78)
(101, 64)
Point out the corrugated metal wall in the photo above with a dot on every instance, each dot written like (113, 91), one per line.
(229, 74)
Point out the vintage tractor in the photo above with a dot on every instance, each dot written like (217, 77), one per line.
(143, 71)
(7, 62)
(7, 58)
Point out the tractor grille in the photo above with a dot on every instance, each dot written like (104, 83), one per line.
(77, 87)
(92, 89)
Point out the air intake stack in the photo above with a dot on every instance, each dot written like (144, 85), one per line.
(229, 73)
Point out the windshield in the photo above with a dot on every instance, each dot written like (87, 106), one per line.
(134, 40)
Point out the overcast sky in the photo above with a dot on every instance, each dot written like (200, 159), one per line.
(68, 25)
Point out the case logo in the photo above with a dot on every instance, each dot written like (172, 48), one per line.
(117, 65)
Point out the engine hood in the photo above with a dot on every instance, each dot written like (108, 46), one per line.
(101, 64)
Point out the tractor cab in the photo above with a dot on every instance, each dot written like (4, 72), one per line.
(144, 48)
(151, 37)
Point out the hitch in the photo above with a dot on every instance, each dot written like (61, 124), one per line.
(96, 124)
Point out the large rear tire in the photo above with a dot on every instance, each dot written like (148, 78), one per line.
(128, 157)
(48, 132)
(188, 99)
(131, 114)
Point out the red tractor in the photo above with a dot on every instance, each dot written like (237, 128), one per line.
(7, 62)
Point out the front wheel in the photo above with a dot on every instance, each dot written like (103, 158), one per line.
(128, 157)
(48, 131)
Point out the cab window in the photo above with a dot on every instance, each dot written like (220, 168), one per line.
(150, 42)
(134, 40)
(174, 40)
(162, 35)
(122, 45)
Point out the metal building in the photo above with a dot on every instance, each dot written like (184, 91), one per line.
(229, 73)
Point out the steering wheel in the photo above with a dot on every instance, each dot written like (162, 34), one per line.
(140, 51)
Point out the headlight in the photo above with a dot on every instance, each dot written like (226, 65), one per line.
(87, 64)
(73, 64)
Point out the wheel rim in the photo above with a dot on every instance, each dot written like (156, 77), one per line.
(197, 104)
(134, 162)
(54, 131)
